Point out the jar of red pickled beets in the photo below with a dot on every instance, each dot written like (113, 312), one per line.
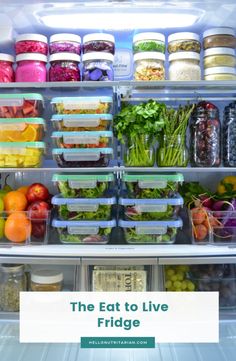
(6, 68)
(64, 67)
(31, 43)
(31, 68)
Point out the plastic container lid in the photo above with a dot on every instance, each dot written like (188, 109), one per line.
(96, 55)
(97, 37)
(28, 96)
(183, 36)
(6, 57)
(219, 31)
(22, 145)
(11, 268)
(46, 276)
(10, 121)
(32, 37)
(178, 223)
(88, 134)
(82, 177)
(149, 55)
(153, 177)
(178, 201)
(59, 117)
(184, 55)
(31, 56)
(102, 99)
(64, 56)
(65, 37)
(219, 51)
(100, 224)
(220, 70)
(58, 200)
(82, 154)
(149, 36)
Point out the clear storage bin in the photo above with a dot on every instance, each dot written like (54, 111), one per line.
(184, 66)
(31, 68)
(64, 67)
(96, 157)
(21, 154)
(83, 186)
(83, 139)
(99, 42)
(82, 122)
(220, 73)
(148, 186)
(46, 281)
(82, 105)
(149, 66)
(153, 232)
(151, 209)
(7, 74)
(65, 43)
(219, 57)
(185, 41)
(79, 209)
(84, 232)
(219, 38)
(223, 228)
(21, 105)
(31, 43)
(98, 67)
(149, 42)
(22, 130)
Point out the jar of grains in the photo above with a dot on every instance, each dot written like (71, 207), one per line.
(220, 73)
(149, 66)
(219, 57)
(184, 66)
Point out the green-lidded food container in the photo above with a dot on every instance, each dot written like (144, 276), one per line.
(22, 129)
(21, 105)
(88, 140)
(82, 105)
(82, 122)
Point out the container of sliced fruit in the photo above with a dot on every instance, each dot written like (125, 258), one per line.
(82, 105)
(21, 105)
(82, 139)
(84, 232)
(22, 130)
(82, 122)
(84, 186)
(21, 154)
(82, 157)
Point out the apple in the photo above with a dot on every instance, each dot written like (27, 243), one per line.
(38, 211)
(38, 229)
(37, 192)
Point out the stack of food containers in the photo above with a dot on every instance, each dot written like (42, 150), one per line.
(219, 54)
(21, 130)
(151, 211)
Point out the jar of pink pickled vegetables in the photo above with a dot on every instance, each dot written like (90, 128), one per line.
(31, 43)
(6, 68)
(64, 67)
(31, 68)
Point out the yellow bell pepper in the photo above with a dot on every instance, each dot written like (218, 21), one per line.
(222, 186)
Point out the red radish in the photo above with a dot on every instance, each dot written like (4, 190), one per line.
(206, 201)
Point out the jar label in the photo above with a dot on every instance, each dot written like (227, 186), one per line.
(153, 184)
(82, 184)
(71, 105)
(68, 139)
(81, 122)
(83, 230)
(82, 207)
(151, 230)
(123, 63)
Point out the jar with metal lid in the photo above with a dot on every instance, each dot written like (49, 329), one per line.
(149, 42)
(31, 43)
(31, 68)
(219, 57)
(64, 67)
(98, 66)
(184, 42)
(46, 280)
(65, 43)
(149, 66)
(184, 66)
(219, 38)
(6, 68)
(220, 73)
(12, 282)
(99, 42)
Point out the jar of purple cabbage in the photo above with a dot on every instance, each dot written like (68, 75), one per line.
(98, 67)
(99, 42)
(64, 67)
(65, 43)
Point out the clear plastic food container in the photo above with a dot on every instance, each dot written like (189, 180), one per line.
(184, 42)
(184, 66)
(82, 122)
(219, 57)
(148, 186)
(31, 43)
(151, 209)
(220, 73)
(98, 67)
(80, 209)
(7, 74)
(176, 279)
(22, 130)
(99, 42)
(223, 227)
(158, 232)
(93, 157)
(84, 232)
(219, 38)
(65, 43)
(21, 154)
(83, 186)
(149, 66)
(31, 68)
(149, 42)
(83, 139)
(64, 67)
(200, 226)
(21, 105)
(46, 281)
(82, 105)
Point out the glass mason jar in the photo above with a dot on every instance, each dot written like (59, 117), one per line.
(172, 152)
(149, 42)
(184, 66)
(65, 43)
(98, 67)
(184, 41)
(99, 42)
(31, 68)
(12, 282)
(220, 73)
(149, 66)
(229, 136)
(64, 67)
(31, 43)
(219, 57)
(6, 68)
(218, 38)
(139, 151)
(205, 136)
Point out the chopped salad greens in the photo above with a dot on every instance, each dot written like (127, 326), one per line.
(68, 192)
(133, 237)
(102, 213)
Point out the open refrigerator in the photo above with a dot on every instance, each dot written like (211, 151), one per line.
(81, 263)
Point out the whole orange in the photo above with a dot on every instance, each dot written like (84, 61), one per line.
(23, 189)
(15, 201)
(17, 227)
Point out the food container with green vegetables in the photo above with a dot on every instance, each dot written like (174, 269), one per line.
(87, 232)
(83, 186)
(149, 42)
(151, 209)
(153, 232)
(82, 105)
(79, 209)
(81, 122)
(149, 186)
(70, 140)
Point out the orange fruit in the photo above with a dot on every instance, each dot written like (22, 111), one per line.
(17, 227)
(15, 201)
(23, 189)
(29, 134)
